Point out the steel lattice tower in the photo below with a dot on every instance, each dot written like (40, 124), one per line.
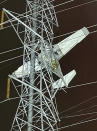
(36, 109)
(34, 80)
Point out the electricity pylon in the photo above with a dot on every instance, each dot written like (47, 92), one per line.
(36, 110)
(34, 80)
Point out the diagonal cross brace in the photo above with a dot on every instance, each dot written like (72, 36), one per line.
(22, 23)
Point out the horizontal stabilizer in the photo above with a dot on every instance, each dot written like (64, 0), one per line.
(67, 78)
(63, 47)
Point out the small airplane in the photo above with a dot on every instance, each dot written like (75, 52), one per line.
(51, 57)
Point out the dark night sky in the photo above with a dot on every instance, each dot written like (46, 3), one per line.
(82, 58)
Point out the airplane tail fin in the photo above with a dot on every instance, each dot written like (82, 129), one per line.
(67, 78)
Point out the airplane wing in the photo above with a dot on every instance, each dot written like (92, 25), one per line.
(67, 78)
(23, 71)
(63, 47)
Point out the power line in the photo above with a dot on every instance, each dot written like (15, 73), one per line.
(78, 115)
(76, 6)
(63, 3)
(78, 123)
(64, 34)
(88, 83)
(80, 85)
(9, 99)
(90, 108)
(12, 98)
(3, 2)
(10, 50)
(75, 106)
(11, 59)
(86, 3)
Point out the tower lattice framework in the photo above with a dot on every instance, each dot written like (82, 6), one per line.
(36, 110)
